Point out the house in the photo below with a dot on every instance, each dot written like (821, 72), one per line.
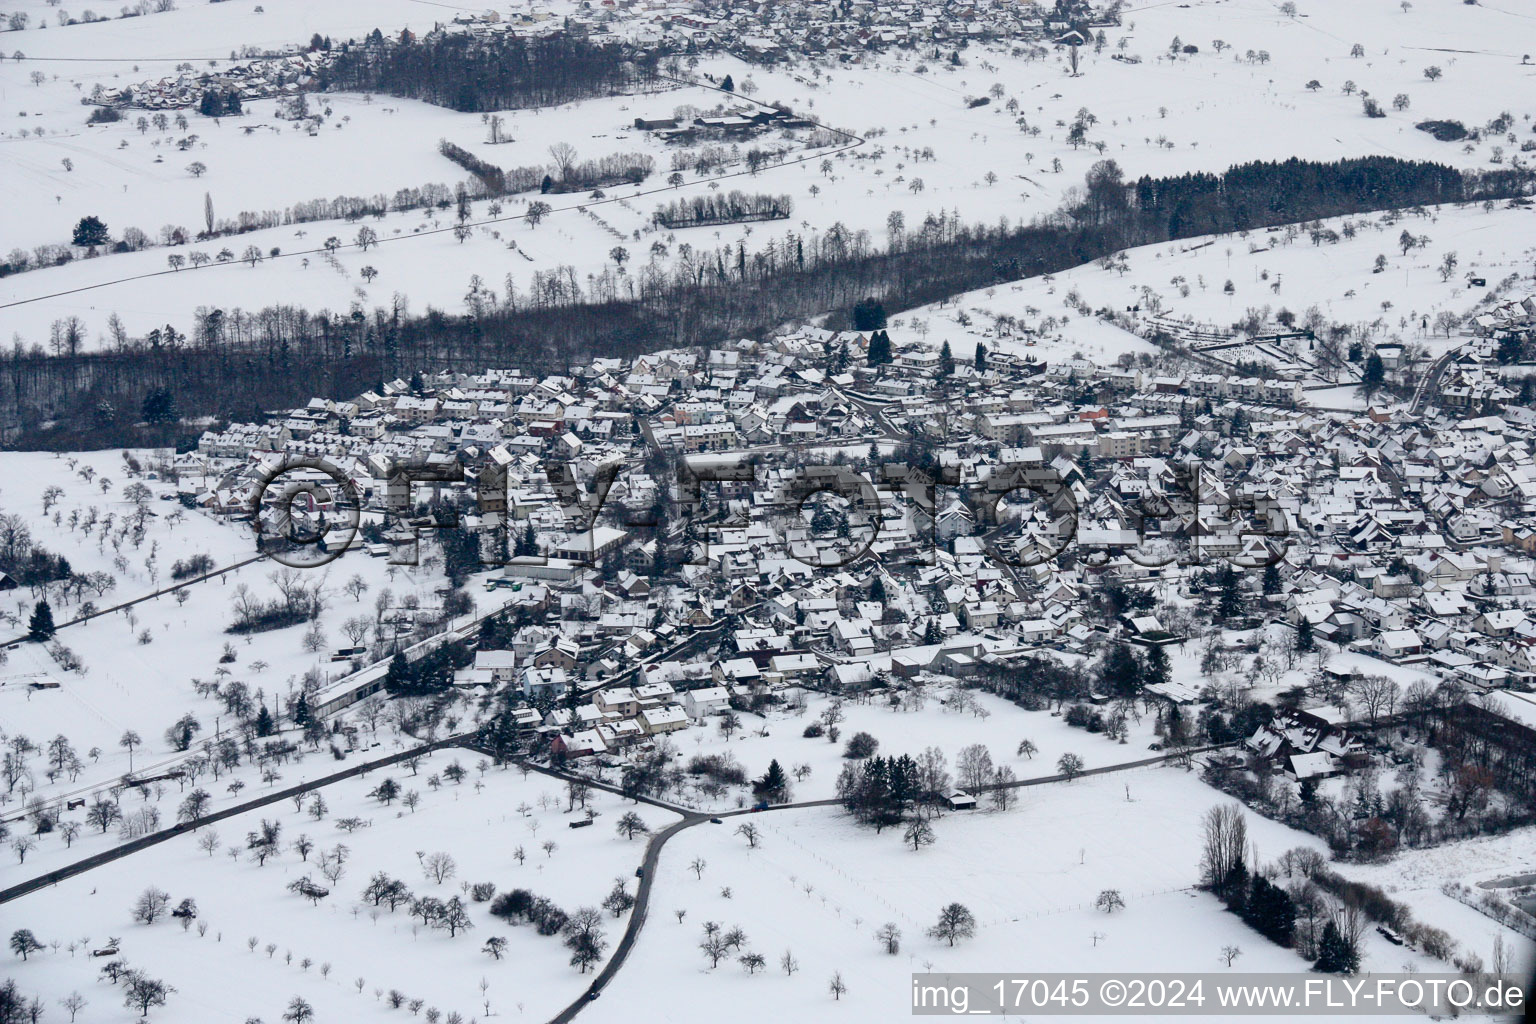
(622, 733)
(559, 652)
(980, 614)
(617, 700)
(658, 721)
(1303, 732)
(710, 700)
(853, 675)
(543, 682)
(959, 800)
(591, 545)
(1498, 623)
(736, 671)
(1396, 644)
(501, 665)
(631, 585)
(581, 744)
(792, 667)
(655, 693)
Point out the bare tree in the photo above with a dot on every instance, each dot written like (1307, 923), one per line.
(1377, 694)
(714, 947)
(974, 766)
(564, 156)
(920, 834)
(74, 1003)
(955, 922)
(439, 867)
(1226, 840)
(1004, 795)
(629, 825)
(151, 904)
(356, 629)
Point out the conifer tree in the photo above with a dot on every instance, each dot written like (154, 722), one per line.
(1335, 953)
(774, 784)
(1305, 635)
(40, 627)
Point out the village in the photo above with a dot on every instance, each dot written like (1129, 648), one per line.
(1404, 540)
(756, 32)
(704, 489)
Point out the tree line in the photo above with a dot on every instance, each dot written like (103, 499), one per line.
(237, 363)
(1265, 193)
(731, 208)
(1298, 903)
(565, 174)
(501, 71)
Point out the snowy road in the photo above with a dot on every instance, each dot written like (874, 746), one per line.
(79, 867)
(691, 818)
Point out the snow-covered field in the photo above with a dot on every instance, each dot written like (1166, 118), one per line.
(221, 977)
(988, 720)
(820, 887)
(139, 667)
(1269, 271)
(926, 150)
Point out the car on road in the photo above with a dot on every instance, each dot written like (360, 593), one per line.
(715, 821)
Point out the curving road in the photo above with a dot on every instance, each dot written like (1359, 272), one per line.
(1429, 386)
(691, 818)
(648, 864)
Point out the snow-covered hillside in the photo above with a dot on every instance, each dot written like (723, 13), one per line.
(926, 150)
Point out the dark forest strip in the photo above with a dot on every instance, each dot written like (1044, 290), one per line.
(237, 364)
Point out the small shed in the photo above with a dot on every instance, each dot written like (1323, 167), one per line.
(959, 800)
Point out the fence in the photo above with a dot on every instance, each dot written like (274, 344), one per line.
(1490, 905)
